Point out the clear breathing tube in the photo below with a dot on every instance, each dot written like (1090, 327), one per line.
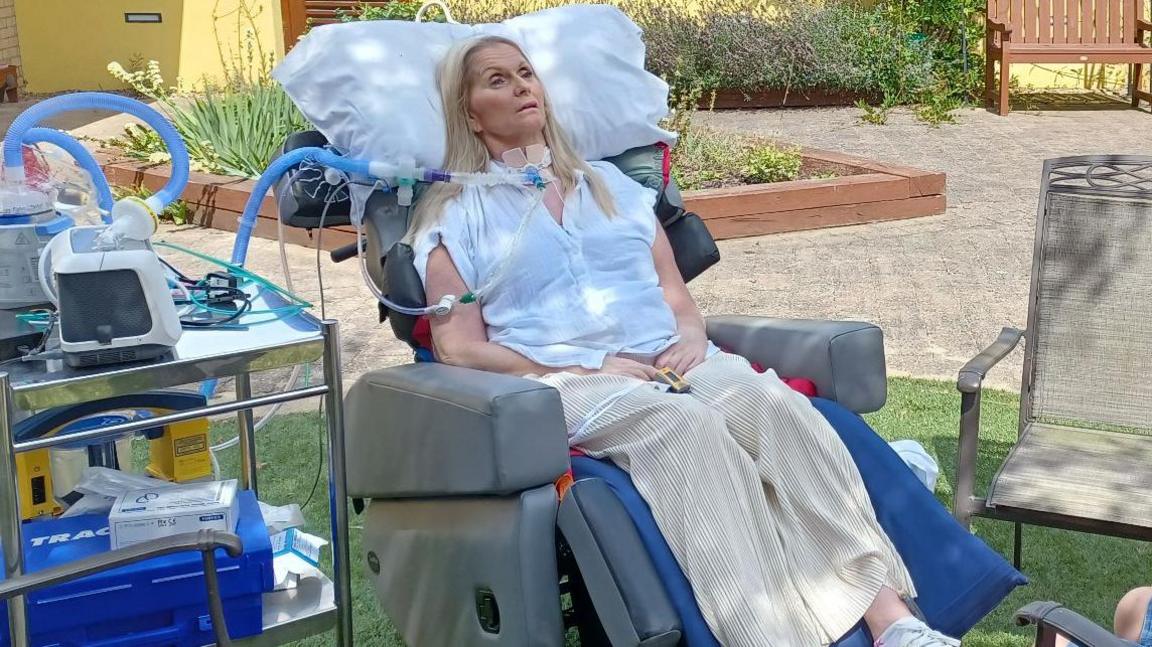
(404, 177)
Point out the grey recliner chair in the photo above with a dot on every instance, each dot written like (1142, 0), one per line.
(467, 540)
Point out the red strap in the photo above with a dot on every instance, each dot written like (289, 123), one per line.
(800, 384)
(422, 333)
(666, 170)
(803, 385)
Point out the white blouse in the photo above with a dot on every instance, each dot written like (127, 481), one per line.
(573, 292)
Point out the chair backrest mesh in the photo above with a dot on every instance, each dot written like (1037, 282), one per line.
(1091, 311)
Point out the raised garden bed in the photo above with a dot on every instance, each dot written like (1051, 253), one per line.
(736, 99)
(863, 191)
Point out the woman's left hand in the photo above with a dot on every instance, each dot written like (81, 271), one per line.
(686, 354)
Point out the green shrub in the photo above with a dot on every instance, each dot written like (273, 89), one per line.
(955, 30)
(239, 129)
(833, 47)
(232, 129)
(394, 10)
(141, 143)
(707, 159)
(899, 51)
(875, 115)
(177, 212)
(772, 164)
(704, 159)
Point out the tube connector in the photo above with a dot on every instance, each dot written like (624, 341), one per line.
(381, 170)
(405, 180)
(334, 176)
(533, 176)
(132, 219)
(442, 308)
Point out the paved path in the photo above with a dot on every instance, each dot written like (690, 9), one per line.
(943, 286)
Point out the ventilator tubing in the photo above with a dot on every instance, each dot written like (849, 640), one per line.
(28, 120)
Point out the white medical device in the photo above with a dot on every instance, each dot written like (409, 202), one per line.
(111, 292)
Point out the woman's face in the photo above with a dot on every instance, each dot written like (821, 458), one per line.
(505, 102)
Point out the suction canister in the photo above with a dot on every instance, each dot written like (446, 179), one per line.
(28, 220)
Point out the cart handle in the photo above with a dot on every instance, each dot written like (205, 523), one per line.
(206, 541)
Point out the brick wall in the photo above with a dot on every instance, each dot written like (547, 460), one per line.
(9, 41)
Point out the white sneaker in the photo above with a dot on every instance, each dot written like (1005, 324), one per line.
(910, 632)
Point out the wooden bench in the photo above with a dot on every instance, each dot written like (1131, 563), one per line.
(1064, 31)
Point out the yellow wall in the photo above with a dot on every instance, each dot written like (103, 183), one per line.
(67, 44)
(200, 56)
(1080, 76)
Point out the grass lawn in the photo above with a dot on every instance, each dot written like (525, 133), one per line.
(1084, 572)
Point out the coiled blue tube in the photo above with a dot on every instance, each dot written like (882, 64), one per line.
(81, 155)
(276, 169)
(30, 118)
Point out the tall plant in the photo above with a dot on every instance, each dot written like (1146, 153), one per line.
(234, 126)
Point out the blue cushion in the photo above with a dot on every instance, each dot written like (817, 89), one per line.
(959, 578)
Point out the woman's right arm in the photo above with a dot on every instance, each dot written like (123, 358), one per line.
(460, 338)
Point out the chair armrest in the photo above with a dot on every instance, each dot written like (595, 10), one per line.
(1143, 25)
(844, 358)
(1051, 617)
(431, 430)
(964, 504)
(991, 24)
(972, 374)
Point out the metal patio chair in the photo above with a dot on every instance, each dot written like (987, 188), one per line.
(1083, 458)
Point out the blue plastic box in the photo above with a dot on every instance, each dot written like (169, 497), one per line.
(161, 602)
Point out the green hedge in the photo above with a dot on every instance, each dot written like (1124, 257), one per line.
(907, 51)
(837, 47)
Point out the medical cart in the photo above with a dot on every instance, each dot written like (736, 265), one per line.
(206, 354)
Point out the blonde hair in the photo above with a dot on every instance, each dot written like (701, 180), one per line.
(465, 152)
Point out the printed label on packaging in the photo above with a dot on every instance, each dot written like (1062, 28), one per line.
(133, 532)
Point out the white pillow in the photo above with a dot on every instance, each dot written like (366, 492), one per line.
(370, 87)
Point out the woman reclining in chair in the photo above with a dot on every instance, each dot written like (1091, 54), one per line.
(752, 489)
